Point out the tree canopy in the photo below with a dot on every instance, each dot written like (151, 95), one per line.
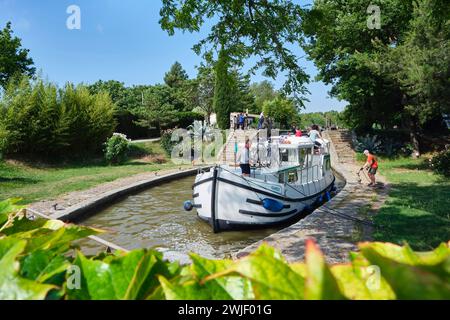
(396, 75)
(14, 59)
(265, 29)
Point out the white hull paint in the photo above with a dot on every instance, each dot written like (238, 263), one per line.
(236, 201)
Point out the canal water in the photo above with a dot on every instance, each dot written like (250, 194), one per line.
(156, 219)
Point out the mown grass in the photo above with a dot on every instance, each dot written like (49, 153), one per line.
(36, 181)
(418, 208)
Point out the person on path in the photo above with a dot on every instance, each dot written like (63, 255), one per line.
(372, 165)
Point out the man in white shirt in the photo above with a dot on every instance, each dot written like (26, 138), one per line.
(244, 159)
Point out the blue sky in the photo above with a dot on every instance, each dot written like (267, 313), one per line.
(118, 40)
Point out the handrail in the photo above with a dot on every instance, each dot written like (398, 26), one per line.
(109, 245)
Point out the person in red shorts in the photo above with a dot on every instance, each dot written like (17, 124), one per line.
(372, 165)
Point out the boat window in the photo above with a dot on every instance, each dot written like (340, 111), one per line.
(284, 155)
(288, 156)
(301, 156)
(290, 176)
(307, 157)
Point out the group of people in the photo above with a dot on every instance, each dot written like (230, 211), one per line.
(314, 134)
(242, 121)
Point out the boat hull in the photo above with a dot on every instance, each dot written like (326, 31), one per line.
(228, 201)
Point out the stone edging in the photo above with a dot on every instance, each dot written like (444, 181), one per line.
(82, 209)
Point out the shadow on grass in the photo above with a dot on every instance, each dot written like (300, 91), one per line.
(19, 180)
(417, 214)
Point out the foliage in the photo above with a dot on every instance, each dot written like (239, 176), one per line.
(440, 163)
(14, 60)
(281, 110)
(262, 92)
(176, 76)
(41, 119)
(166, 141)
(126, 99)
(158, 110)
(368, 142)
(206, 80)
(393, 76)
(117, 148)
(35, 265)
(265, 29)
(3, 140)
(225, 89)
(320, 118)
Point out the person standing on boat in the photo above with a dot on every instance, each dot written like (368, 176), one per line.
(244, 158)
(372, 165)
(314, 134)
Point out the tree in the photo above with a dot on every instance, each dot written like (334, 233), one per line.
(420, 66)
(176, 76)
(206, 79)
(397, 75)
(264, 29)
(157, 112)
(282, 110)
(243, 98)
(13, 58)
(262, 92)
(225, 91)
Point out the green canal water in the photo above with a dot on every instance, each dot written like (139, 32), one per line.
(155, 218)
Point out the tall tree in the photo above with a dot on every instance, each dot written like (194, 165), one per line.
(225, 91)
(13, 58)
(176, 76)
(266, 29)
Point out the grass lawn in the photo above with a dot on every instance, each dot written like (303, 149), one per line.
(418, 208)
(34, 182)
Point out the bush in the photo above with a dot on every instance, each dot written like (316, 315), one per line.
(185, 119)
(371, 143)
(166, 141)
(43, 120)
(440, 163)
(116, 149)
(3, 141)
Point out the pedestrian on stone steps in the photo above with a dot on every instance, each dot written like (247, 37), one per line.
(372, 165)
(244, 159)
(241, 121)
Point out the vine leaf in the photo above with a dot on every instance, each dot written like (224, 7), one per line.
(12, 286)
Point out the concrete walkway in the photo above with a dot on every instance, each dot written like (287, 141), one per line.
(146, 140)
(335, 235)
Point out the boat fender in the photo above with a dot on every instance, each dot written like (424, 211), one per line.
(272, 205)
(188, 205)
(328, 196)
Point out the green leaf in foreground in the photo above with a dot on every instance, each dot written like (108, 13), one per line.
(271, 277)
(121, 277)
(12, 286)
(422, 279)
(320, 282)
